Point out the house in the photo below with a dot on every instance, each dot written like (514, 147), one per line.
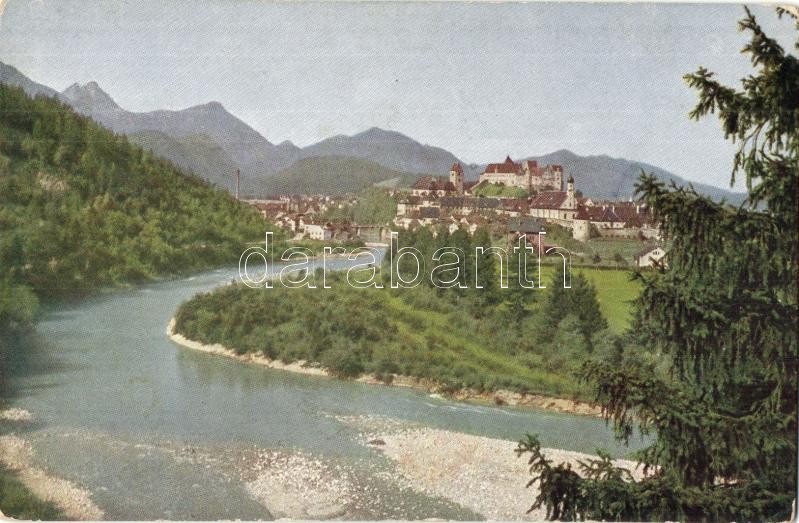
(614, 220)
(468, 204)
(556, 206)
(429, 215)
(524, 226)
(408, 204)
(650, 256)
(318, 231)
(433, 186)
(514, 206)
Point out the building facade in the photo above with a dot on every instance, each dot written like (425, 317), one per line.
(527, 175)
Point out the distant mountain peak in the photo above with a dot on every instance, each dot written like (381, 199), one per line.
(90, 96)
(287, 145)
(212, 106)
(377, 133)
(565, 153)
(391, 149)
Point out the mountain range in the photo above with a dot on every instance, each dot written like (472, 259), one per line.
(212, 143)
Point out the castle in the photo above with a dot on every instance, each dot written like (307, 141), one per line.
(526, 175)
(449, 201)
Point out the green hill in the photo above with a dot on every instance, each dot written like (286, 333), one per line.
(197, 154)
(82, 208)
(334, 175)
(496, 190)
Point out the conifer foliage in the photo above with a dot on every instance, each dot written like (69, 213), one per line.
(81, 208)
(722, 313)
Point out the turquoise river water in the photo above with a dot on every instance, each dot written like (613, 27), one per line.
(119, 410)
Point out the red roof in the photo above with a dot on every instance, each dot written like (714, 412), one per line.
(457, 168)
(619, 212)
(506, 167)
(632, 215)
(514, 204)
(548, 200)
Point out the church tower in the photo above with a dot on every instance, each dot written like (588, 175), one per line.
(456, 177)
(571, 198)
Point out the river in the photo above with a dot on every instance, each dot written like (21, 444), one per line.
(155, 430)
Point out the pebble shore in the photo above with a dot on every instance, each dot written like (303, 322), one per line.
(482, 474)
(16, 454)
(298, 486)
(499, 397)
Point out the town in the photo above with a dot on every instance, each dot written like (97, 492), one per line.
(298, 269)
(511, 199)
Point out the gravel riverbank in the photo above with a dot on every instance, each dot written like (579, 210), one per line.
(221, 350)
(481, 474)
(16, 454)
(298, 486)
(499, 397)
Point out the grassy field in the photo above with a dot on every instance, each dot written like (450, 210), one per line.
(615, 292)
(498, 191)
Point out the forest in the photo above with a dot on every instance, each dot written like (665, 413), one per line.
(83, 209)
(520, 339)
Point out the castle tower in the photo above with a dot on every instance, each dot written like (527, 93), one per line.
(570, 186)
(456, 177)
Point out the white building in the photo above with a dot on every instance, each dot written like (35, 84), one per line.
(316, 231)
(650, 256)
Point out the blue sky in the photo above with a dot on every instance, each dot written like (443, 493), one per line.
(480, 79)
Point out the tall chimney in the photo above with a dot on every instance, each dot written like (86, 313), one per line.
(238, 180)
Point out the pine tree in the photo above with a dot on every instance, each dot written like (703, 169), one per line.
(578, 299)
(486, 274)
(724, 313)
(516, 297)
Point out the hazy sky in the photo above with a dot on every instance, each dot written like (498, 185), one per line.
(481, 80)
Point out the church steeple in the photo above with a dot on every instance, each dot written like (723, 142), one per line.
(456, 177)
